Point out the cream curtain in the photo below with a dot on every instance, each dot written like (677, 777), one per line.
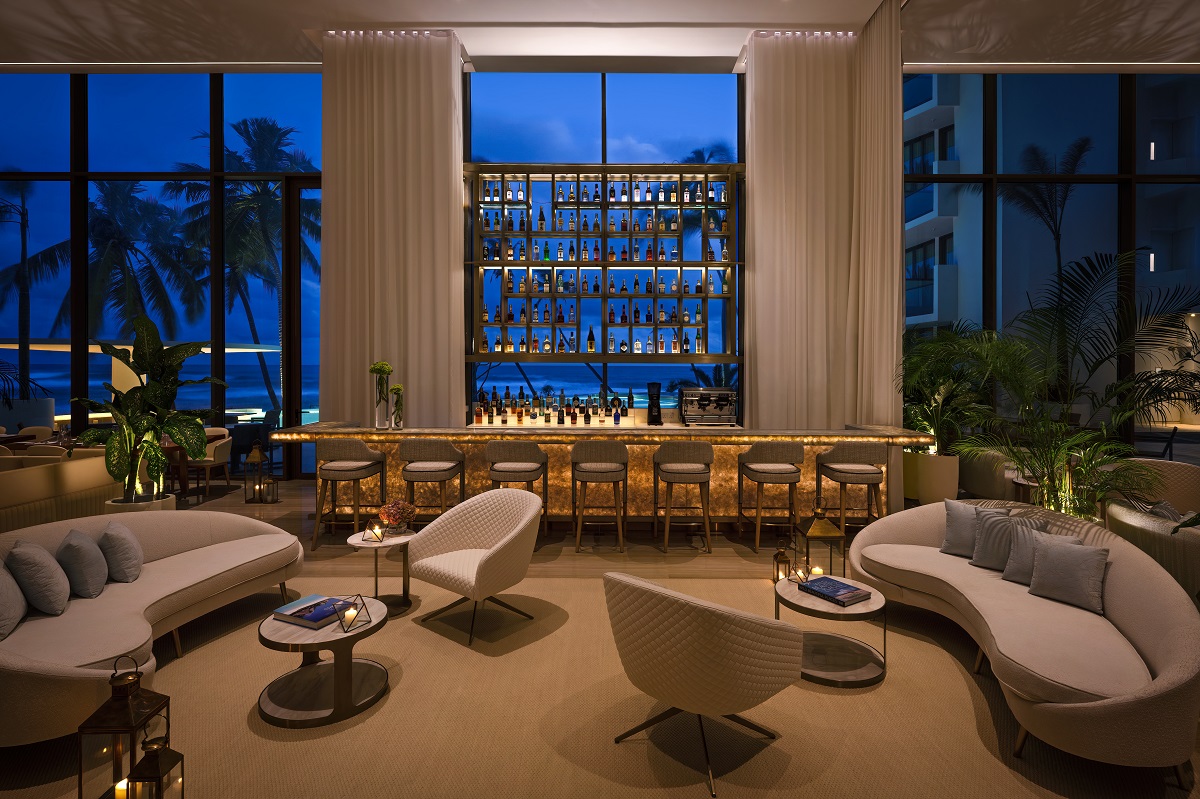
(823, 310)
(392, 226)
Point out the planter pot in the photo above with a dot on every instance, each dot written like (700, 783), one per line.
(28, 413)
(933, 478)
(162, 502)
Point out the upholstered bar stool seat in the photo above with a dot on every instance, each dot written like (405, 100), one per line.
(432, 460)
(683, 463)
(518, 462)
(769, 463)
(854, 463)
(599, 462)
(345, 460)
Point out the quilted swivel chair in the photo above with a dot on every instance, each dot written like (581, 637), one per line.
(698, 657)
(478, 548)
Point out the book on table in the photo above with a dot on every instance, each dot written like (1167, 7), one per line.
(313, 611)
(834, 591)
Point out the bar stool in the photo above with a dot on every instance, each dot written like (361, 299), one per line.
(518, 462)
(341, 460)
(599, 462)
(432, 460)
(683, 462)
(769, 463)
(854, 463)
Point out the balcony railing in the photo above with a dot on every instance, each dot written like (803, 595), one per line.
(918, 202)
(921, 165)
(918, 296)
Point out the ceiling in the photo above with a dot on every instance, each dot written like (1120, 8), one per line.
(629, 35)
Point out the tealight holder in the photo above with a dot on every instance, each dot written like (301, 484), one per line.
(353, 613)
(374, 533)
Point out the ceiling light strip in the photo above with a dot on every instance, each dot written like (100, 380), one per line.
(1052, 63)
(160, 63)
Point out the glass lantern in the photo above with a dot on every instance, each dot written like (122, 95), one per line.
(159, 774)
(374, 533)
(260, 486)
(108, 738)
(352, 613)
(781, 564)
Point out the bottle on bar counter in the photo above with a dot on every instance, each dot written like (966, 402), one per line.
(587, 415)
(596, 251)
(491, 414)
(546, 250)
(591, 340)
(571, 314)
(561, 415)
(499, 344)
(624, 193)
(637, 314)
(541, 222)
(574, 414)
(637, 346)
(687, 343)
(571, 343)
(504, 415)
(478, 413)
(624, 315)
(612, 342)
(583, 250)
(485, 314)
(637, 285)
(534, 346)
(637, 191)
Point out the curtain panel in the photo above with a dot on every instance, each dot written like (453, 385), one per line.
(823, 305)
(392, 226)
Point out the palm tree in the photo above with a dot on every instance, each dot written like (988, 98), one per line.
(715, 153)
(723, 375)
(29, 269)
(254, 220)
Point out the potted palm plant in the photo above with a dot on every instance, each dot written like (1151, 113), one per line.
(1060, 413)
(145, 415)
(942, 385)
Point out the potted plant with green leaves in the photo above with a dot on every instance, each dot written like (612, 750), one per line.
(1061, 404)
(144, 415)
(943, 389)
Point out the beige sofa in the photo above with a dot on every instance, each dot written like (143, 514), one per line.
(54, 669)
(77, 486)
(1178, 553)
(1120, 688)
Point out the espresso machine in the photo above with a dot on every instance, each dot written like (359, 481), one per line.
(654, 405)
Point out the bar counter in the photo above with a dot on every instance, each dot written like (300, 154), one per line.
(556, 441)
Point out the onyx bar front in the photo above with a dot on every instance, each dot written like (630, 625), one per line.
(642, 440)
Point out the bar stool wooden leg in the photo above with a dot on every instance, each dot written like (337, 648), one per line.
(495, 484)
(704, 509)
(462, 485)
(617, 513)
(357, 485)
(545, 498)
(737, 523)
(579, 517)
(320, 514)
(442, 492)
(878, 503)
(654, 507)
(411, 491)
(667, 520)
(758, 516)
(842, 499)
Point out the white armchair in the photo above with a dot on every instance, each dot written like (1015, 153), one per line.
(698, 657)
(478, 548)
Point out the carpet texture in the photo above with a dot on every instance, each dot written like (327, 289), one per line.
(532, 709)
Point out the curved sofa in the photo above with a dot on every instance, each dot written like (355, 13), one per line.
(54, 669)
(1120, 688)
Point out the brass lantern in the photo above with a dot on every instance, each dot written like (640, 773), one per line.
(260, 485)
(159, 774)
(108, 738)
(781, 564)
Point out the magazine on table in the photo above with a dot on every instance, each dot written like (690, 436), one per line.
(313, 611)
(834, 591)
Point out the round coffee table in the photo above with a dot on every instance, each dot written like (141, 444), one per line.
(830, 658)
(396, 605)
(322, 692)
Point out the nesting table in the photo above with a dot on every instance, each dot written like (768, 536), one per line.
(830, 658)
(395, 604)
(321, 692)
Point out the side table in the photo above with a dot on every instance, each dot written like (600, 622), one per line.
(321, 692)
(830, 658)
(396, 605)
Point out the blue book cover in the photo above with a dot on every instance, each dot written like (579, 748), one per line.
(834, 590)
(314, 611)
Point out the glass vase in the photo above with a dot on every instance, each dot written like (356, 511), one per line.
(383, 413)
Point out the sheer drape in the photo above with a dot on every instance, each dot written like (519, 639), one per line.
(823, 286)
(392, 227)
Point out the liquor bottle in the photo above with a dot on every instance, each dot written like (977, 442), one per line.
(571, 343)
(650, 251)
(624, 224)
(710, 284)
(612, 315)
(699, 194)
(533, 347)
(491, 414)
(724, 195)
(521, 343)
(612, 192)
(624, 253)
(637, 226)
(637, 192)
(478, 413)
(674, 342)
(649, 221)
(699, 313)
(674, 315)
(545, 282)
(687, 288)
(712, 224)
(687, 316)
(571, 316)
(541, 219)
(724, 251)
(521, 192)
(584, 197)
(699, 288)
(522, 313)
(485, 314)
(649, 343)
(624, 315)
(674, 283)
(612, 225)
(546, 344)
(596, 251)
(711, 255)
(508, 193)
(637, 286)
(585, 284)
(637, 314)
(595, 284)
(574, 415)
(699, 344)
(571, 223)
(662, 253)
(504, 415)
(624, 347)
(637, 251)
(596, 222)
(662, 315)
(487, 191)
(496, 220)
(583, 250)
(546, 251)
(674, 252)
(674, 195)
(662, 344)
(560, 194)
(712, 194)
(546, 315)
(521, 254)
(587, 415)
(559, 317)
(662, 285)
(521, 285)
(571, 194)
(521, 395)
(674, 223)
(558, 282)
(510, 347)
(637, 346)
(510, 314)
(562, 395)
(560, 251)
(612, 286)
(487, 221)
(617, 410)
(537, 252)
(508, 221)
(562, 344)
(570, 252)
(612, 342)
(612, 256)
(687, 343)
(687, 193)
(624, 193)
(497, 315)
(660, 191)
(521, 222)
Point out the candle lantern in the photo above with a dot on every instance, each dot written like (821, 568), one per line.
(781, 564)
(108, 738)
(159, 774)
(260, 485)
(373, 533)
(353, 613)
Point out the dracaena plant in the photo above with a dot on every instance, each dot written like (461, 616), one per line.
(144, 414)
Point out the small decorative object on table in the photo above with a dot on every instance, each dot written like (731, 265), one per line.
(353, 613)
(397, 392)
(381, 370)
(374, 534)
(833, 590)
(313, 611)
(397, 515)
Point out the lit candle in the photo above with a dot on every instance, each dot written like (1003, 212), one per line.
(816, 571)
(350, 616)
(121, 789)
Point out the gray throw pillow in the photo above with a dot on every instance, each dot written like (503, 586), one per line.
(993, 545)
(123, 552)
(84, 563)
(1166, 510)
(962, 525)
(42, 580)
(1074, 575)
(12, 603)
(1020, 558)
